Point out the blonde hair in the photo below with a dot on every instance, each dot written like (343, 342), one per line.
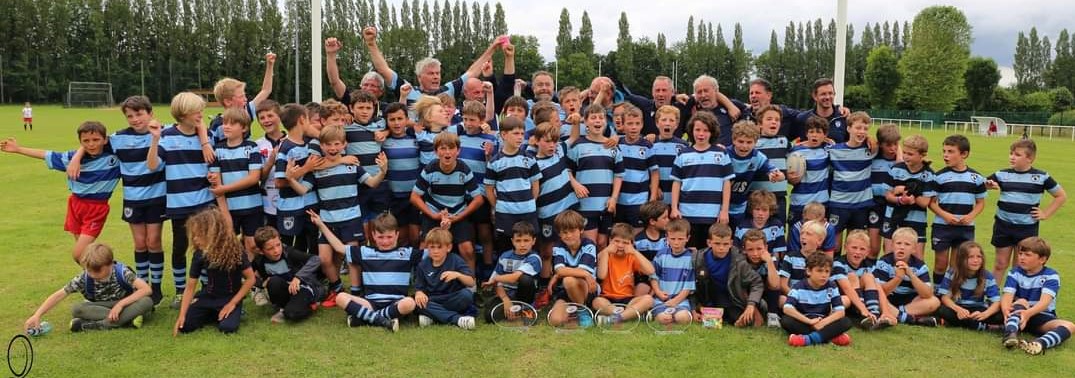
(815, 228)
(221, 248)
(424, 107)
(330, 108)
(860, 235)
(236, 115)
(439, 236)
(96, 256)
(225, 88)
(332, 134)
(668, 109)
(446, 139)
(622, 231)
(186, 103)
(905, 232)
(814, 209)
(746, 129)
(917, 143)
(859, 116)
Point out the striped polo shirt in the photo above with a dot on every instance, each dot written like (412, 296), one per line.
(1031, 286)
(885, 270)
(513, 178)
(472, 149)
(185, 172)
(595, 167)
(664, 153)
(957, 191)
(446, 190)
(234, 164)
(97, 178)
(638, 162)
(775, 148)
(841, 268)
(141, 186)
(402, 154)
(851, 169)
(774, 234)
(1020, 192)
(901, 175)
(966, 296)
(386, 275)
(703, 177)
(556, 194)
(879, 176)
(289, 200)
(361, 144)
(425, 146)
(649, 247)
(814, 186)
(746, 169)
(511, 262)
(585, 258)
(337, 192)
(675, 272)
(814, 302)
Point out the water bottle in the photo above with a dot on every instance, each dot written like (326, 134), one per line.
(41, 330)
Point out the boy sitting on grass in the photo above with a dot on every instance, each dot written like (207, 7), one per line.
(617, 266)
(443, 283)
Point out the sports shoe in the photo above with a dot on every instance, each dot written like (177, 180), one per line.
(925, 321)
(867, 324)
(773, 320)
(1011, 340)
(465, 322)
(330, 300)
(542, 299)
(261, 298)
(797, 340)
(177, 301)
(1033, 348)
(156, 297)
(425, 321)
(585, 320)
(352, 321)
(391, 325)
(278, 317)
(344, 270)
(882, 323)
(842, 340)
(137, 321)
(76, 324)
(89, 325)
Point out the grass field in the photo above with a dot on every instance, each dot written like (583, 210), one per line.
(35, 261)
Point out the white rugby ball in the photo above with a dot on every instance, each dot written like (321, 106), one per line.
(796, 164)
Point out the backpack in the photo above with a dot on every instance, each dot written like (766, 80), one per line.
(119, 269)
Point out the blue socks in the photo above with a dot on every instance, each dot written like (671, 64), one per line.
(813, 338)
(1012, 325)
(873, 302)
(1055, 337)
(141, 264)
(156, 269)
(365, 314)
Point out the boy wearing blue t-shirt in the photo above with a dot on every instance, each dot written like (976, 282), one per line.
(296, 158)
(702, 174)
(776, 148)
(960, 198)
(1029, 300)
(747, 163)
(851, 196)
(674, 280)
(600, 170)
(446, 194)
(235, 175)
(904, 278)
(641, 180)
(574, 277)
(813, 312)
(443, 284)
(401, 149)
(666, 148)
(517, 270)
(512, 184)
(813, 185)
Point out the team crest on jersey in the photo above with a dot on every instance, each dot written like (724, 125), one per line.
(350, 169)
(112, 161)
(641, 153)
(1035, 178)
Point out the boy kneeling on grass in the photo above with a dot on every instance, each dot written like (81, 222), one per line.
(115, 297)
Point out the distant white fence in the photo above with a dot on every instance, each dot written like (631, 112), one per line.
(920, 123)
(1017, 129)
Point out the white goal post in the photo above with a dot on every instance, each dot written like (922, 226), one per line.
(88, 94)
(999, 127)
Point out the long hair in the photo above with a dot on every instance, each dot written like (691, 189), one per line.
(960, 272)
(218, 242)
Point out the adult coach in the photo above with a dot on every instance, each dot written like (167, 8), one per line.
(707, 97)
(372, 82)
(662, 92)
(824, 93)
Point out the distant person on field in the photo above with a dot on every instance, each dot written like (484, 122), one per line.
(27, 117)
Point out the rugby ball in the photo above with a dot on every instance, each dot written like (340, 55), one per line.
(796, 164)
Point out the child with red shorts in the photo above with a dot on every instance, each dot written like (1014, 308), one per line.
(87, 207)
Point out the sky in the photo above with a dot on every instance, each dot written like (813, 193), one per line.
(995, 24)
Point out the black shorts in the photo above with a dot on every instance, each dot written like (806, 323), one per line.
(560, 294)
(404, 211)
(1008, 235)
(482, 216)
(875, 216)
(247, 222)
(293, 223)
(901, 299)
(602, 223)
(143, 214)
(1033, 325)
(945, 236)
(373, 201)
(505, 222)
(462, 231)
(848, 219)
(547, 232)
(620, 301)
(629, 214)
(346, 231)
(888, 227)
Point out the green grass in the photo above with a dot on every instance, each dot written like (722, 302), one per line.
(36, 262)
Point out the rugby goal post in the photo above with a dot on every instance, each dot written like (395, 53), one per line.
(89, 94)
(991, 126)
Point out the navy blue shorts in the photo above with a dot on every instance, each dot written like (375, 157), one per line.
(559, 294)
(484, 215)
(901, 299)
(781, 212)
(848, 219)
(547, 232)
(505, 222)
(945, 236)
(602, 223)
(1034, 324)
(404, 211)
(629, 214)
(143, 214)
(888, 227)
(1008, 235)
(293, 223)
(346, 231)
(247, 222)
(373, 201)
(875, 216)
(462, 231)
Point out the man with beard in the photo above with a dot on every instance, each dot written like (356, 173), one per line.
(823, 95)
(761, 95)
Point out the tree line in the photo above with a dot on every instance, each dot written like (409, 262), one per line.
(160, 47)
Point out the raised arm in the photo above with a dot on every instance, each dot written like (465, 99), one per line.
(332, 47)
(266, 81)
(369, 35)
(476, 68)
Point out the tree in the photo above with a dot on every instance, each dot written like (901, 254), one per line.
(563, 37)
(624, 51)
(584, 43)
(980, 81)
(882, 77)
(933, 65)
(500, 26)
(577, 70)
(1062, 72)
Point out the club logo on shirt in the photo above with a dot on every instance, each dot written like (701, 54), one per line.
(1035, 178)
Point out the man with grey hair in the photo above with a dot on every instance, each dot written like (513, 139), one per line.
(372, 81)
(706, 97)
(427, 70)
